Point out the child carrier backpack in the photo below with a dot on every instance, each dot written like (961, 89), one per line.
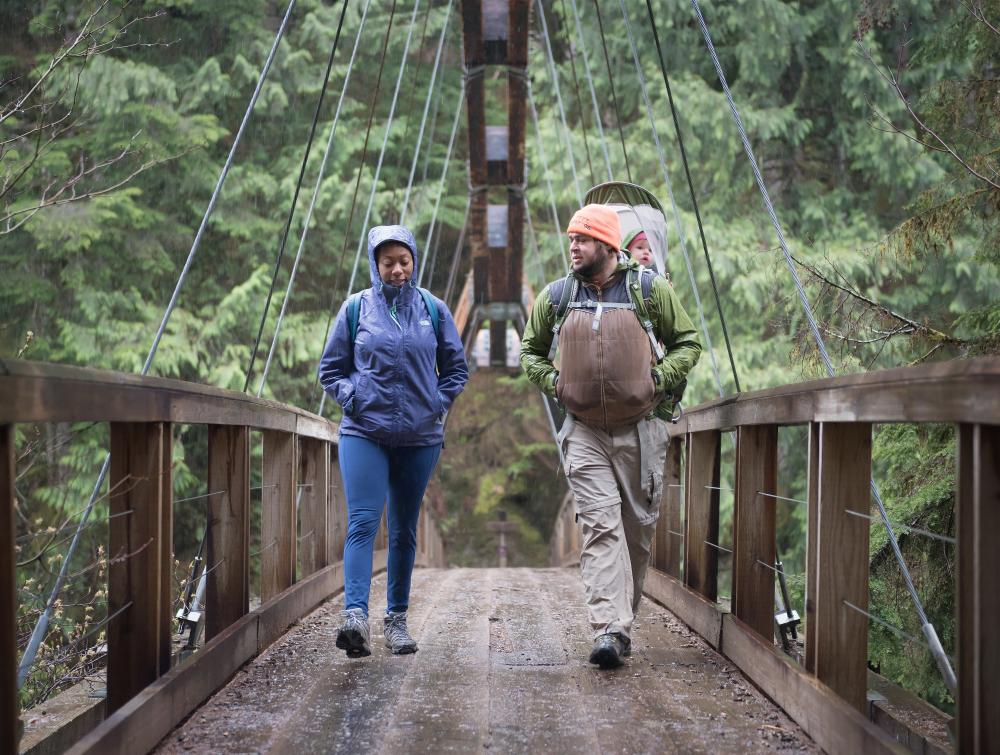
(354, 311)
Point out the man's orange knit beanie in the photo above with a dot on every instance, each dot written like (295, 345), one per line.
(599, 222)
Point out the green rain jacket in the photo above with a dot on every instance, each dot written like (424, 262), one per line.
(671, 326)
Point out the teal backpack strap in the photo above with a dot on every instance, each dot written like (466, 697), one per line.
(432, 309)
(639, 293)
(353, 314)
(570, 287)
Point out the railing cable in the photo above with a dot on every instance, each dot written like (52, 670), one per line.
(423, 119)
(941, 658)
(41, 627)
(441, 184)
(354, 198)
(579, 97)
(614, 96)
(593, 92)
(385, 143)
(554, 73)
(292, 206)
(694, 198)
(677, 216)
(545, 164)
(291, 212)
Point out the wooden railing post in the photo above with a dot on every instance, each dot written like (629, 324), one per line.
(9, 708)
(140, 548)
(338, 510)
(840, 634)
(978, 598)
(812, 527)
(753, 527)
(668, 544)
(313, 506)
(701, 560)
(278, 515)
(228, 594)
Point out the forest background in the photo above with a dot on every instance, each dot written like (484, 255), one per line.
(877, 124)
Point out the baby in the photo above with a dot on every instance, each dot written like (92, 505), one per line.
(637, 245)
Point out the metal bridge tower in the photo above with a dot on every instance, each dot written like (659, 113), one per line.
(495, 36)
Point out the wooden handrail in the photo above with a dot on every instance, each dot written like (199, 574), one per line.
(839, 413)
(302, 490)
(959, 391)
(42, 392)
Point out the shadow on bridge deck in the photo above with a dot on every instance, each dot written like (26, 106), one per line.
(502, 666)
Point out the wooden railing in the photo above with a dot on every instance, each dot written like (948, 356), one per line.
(827, 695)
(145, 696)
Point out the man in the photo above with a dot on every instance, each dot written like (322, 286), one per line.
(625, 345)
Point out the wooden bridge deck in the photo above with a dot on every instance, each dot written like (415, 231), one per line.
(502, 666)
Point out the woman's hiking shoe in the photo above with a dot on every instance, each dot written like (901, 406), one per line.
(354, 637)
(397, 637)
(608, 651)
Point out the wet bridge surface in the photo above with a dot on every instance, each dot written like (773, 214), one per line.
(502, 666)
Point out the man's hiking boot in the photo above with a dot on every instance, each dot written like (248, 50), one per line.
(397, 637)
(354, 637)
(609, 650)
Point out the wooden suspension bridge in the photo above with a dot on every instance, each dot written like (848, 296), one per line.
(502, 664)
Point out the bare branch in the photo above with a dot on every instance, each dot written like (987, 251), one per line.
(58, 59)
(913, 325)
(893, 81)
(976, 9)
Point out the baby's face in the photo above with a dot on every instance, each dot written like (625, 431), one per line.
(641, 252)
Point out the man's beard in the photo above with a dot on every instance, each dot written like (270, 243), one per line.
(590, 269)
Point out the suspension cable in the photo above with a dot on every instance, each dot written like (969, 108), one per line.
(694, 195)
(545, 163)
(614, 96)
(444, 175)
(593, 92)
(294, 202)
(579, 97)
(42, 625)
(554, 73)
(943, 663)
(315, 195)
(357, 184)
(673, 203)
(385, 142)
(453, 272)
(423, 119)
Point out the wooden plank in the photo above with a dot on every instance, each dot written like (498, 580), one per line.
(701, 560)
(841, 635)
(753, 530)
(703, 616)
(517, 33)
(978, 598)
(314, 505)
(228, 593)
(138, 571)
(10, 724)
(515, 245)
(812, 527)
(278, 517)
(836, 726)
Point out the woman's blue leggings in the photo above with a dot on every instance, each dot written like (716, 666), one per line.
(370, 471)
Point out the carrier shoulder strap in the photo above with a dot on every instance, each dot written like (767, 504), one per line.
(568, 289)
(640, 287)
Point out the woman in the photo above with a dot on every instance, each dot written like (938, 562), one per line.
(395, 367)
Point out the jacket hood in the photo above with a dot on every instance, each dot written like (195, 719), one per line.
(380, 234)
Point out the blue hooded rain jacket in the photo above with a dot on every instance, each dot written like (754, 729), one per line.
(398, 379)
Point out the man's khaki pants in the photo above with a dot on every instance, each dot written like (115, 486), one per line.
(616, 477)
